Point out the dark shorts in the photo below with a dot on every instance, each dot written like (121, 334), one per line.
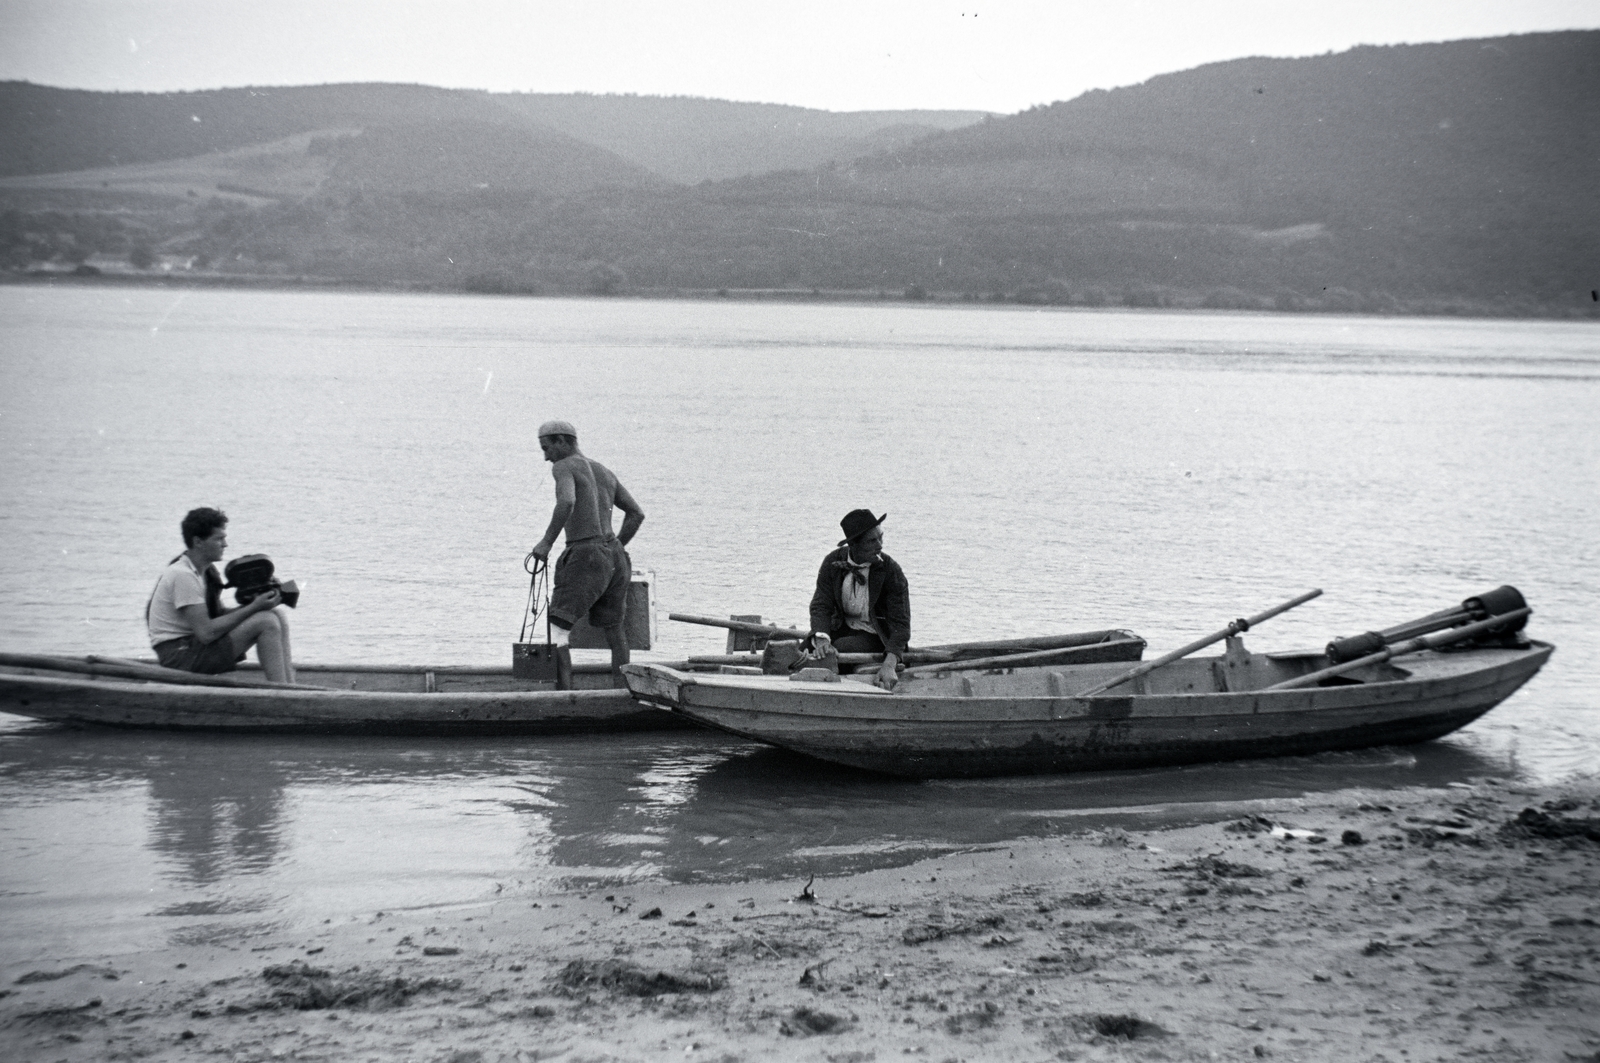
(191, 655)
(591, 581)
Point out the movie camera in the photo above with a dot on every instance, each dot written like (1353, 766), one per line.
(251, 576)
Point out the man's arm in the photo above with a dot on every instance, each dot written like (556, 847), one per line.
(897, 606)
(209, 629)
(822, 603)
(566, 497)
(633, 516)
(897, 595)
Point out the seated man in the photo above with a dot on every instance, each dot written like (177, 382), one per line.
(862, 603)
(191, 630)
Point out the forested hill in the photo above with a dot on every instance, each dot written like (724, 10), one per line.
(1436, 128)
(1455, 176)
(1466, 166)
(48, 130)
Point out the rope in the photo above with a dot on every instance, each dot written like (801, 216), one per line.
(538, 597)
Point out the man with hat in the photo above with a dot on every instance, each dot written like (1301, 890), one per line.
(594, 571)
(862, 603)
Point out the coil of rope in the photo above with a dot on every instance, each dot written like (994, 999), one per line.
(538, 570)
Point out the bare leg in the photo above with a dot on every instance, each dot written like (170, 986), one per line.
(559, 637)
(266, 633)
(617, 639)
(563, 667)
(282, 614)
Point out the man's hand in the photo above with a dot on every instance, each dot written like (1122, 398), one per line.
(820, 644)
(887, 676)
(269, 599)
(541, 549)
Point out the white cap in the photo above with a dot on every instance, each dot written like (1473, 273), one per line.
(557, 428)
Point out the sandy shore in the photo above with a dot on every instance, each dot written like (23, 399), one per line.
(1399, 926)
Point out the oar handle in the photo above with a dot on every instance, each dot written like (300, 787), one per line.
(1416, 645)
(1016, 660)
(1234, 628)
(739, 625)
(1274, 611)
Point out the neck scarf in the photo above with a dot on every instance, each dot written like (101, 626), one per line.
(857, 569)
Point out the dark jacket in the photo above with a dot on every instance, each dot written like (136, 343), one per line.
(887, 591)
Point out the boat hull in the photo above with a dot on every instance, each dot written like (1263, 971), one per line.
(938, 735)
(385, 702)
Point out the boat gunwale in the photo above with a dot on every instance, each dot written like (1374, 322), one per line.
(152, 687)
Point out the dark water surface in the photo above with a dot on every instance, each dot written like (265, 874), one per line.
(1044, 471)
(126, 840)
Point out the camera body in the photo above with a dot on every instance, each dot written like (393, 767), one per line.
(251, 576)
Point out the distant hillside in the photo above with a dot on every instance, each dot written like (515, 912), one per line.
(690, 140)
(47, 130)
(1463, 167)
(1469, 122)
(461, 157)
(1444, 177)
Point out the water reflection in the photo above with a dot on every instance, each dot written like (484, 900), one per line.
(763, 812)
(279, 812)
(242, 837)
(214, 815)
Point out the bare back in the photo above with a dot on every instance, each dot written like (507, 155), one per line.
(594, 494)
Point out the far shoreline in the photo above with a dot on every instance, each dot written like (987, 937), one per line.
(1460, 309)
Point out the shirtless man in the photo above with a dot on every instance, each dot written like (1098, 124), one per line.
(593, 573)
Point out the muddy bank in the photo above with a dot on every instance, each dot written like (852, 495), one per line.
(1459, 923)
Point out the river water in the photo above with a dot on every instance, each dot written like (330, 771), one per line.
(1043, 471)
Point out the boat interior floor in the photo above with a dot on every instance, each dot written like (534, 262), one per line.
(1233, 672)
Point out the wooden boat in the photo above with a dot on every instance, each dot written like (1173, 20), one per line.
(1031, 719)
(329, 699)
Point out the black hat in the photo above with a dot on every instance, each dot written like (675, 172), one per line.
(857, 523)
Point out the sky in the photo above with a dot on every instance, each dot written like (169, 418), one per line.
(1001, 56)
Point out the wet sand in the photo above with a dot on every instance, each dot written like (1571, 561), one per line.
(1456, 923)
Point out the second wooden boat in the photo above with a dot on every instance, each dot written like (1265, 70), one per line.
(1040, 719)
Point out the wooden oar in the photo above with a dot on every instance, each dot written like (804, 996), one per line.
(115, 668)
(1353, 646)
(1199, 644)
(1498, 602)
(1416, 645)
(1062, 655)
(1023, 644)
(1425, 624)
(952, 651)
(740, 625)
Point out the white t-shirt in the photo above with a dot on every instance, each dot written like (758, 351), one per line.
(180, 584)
